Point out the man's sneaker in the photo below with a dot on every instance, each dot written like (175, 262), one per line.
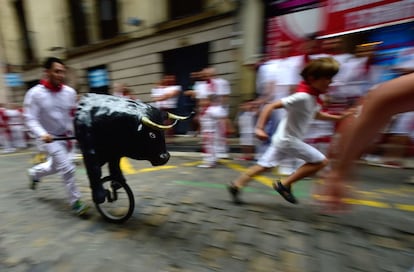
(204, 165)
(79, 207)
(32, 181)
(223, 156)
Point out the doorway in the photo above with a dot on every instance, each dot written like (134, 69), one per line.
(181, 62)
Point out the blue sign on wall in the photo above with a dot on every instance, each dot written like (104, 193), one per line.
(13, 80)
(98, 78)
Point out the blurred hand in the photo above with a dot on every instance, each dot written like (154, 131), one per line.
(47, 138)
(261, 134)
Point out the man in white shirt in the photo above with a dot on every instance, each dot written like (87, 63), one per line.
(277, 79)
(48, 111)
(220, 87)
(165, 95)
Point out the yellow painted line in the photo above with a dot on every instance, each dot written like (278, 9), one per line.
(157, 168)
(395, 192)
(369, 203)
(192, 163)
(128, 169)
(405, 207)
(235, 166)
(408, 189)
(262, 179)
(360, 202)
(126, 166)
(18, 153)
(369, 194)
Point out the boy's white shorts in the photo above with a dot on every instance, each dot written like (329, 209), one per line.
(287, 150)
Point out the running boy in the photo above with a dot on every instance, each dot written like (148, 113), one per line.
(301, 108)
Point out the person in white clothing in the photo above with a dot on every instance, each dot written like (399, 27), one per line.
(2, 127)
(280, 76)
(48, 111)
(210, 117)
(246, 120)
(219, 87)
(15, 122)
(122, 90)
(5, 131)
(342, 94)
(165, 97)
(287, 141)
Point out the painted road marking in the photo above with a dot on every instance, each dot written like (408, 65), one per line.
(300, 190)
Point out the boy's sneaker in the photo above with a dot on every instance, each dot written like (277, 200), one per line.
(234, 193)
(79, 207)
(32, 181)
(285, 192)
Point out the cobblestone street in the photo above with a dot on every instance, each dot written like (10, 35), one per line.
(184, 221)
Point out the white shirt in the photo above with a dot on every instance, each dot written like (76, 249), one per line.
(282, 73)
(300, 111)
(264, 75)
(218, 86)
(14, 117)
(170, 103)
(49, 112)
(288, 71)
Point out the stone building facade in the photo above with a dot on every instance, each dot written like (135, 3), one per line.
(133, 42)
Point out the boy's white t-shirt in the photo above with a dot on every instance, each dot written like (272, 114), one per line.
(300, 108)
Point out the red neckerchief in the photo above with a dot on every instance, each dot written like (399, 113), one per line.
(51, 87)
(303, 87)
(306, 58)
(211, 85)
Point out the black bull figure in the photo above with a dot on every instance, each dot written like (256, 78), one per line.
(108, 128)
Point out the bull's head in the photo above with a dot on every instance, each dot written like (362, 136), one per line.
(155, 132)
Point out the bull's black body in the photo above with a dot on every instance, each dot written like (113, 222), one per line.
(108, 128)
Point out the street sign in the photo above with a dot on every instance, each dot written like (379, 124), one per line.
(13, 80)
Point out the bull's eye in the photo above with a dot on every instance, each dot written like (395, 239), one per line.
(152, 135)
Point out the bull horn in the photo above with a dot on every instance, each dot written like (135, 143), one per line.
(148, 122)
(178, 117)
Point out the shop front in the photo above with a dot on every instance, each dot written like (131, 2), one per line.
(363, 20)
(386, 27)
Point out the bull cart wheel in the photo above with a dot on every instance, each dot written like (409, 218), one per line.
(119, 203)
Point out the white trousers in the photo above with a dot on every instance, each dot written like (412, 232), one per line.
(210, 140)
(59, 161)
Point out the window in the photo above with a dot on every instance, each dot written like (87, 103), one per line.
(108, 18)
(184, 8)
(27, 47)
(80, 34)
(98, 79)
